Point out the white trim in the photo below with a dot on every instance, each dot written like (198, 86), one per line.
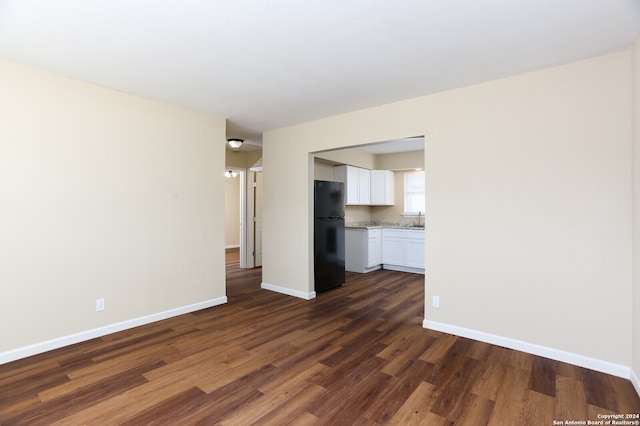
(242, 175)
(243, 218)
(249, 260)
(288, 291)
(635, 381)
(82, 336)
(400, 268)
(532, 348)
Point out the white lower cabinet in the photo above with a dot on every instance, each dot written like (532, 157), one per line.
(368, 249)
(393, 246)
(363, 249)
(374, 243)
(403, 249)
(415, 252)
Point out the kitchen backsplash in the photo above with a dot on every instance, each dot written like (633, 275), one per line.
(382, 215)
(357, 214)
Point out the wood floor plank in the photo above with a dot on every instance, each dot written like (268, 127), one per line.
(342, 381)
(407, 364)
(120, 408)
(449, 365)
(16, 406)
(175, 408)
(598, 390)
(70, 403)
(292, 412)
(543, 376)
(360, 404)
(511, 397)
(281, 402)
(352, 369)
(538, 409)
(17, 390)
(450, 402)
(387, 403)
(624, 396)
(207, 362)
(439, 349)
(356, 355)
(473, 410)
(415, 409)
(98, 371)
(570, 401)
(593, 412)
(490, 380)
(302, 364)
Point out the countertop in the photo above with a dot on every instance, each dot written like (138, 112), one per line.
(376, 225)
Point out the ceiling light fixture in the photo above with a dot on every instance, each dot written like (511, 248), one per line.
(235, 143)
(230, 173)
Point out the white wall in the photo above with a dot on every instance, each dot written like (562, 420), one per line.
(636, 215)
(529, 201)
(400, 161)
(322, 170)
(102, 195)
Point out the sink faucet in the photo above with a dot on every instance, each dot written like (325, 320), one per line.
(419, 216)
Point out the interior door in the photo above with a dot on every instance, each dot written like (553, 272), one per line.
(257, 219)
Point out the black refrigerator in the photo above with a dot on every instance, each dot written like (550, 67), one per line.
(328, 238)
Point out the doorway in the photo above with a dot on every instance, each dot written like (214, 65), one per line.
(400, 157)
(235, 205)
(254, 218)
(243, 218)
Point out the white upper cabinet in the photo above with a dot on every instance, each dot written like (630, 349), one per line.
(382, 184)
(357, 183)
(365, 187)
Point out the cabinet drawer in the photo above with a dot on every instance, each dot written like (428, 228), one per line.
(374, 233)
(392, 233)
(414, 234)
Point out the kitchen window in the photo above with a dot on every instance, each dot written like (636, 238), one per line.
(414, 194)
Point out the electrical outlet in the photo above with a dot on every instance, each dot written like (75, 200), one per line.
(435, 301)
(99, 305)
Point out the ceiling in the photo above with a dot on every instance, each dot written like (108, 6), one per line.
(267, 64)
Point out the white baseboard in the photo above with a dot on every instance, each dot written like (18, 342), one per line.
(635, 381)
(403, 269)
(288, 291)
(82, 336)
(230, 246)
(543, 351)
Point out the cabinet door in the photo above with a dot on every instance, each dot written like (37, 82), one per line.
(374, 248)
(353, 185)
(356, 184)
(355, 249)
(393, 247)
(364, 186)
(382, 192)
(415, 253)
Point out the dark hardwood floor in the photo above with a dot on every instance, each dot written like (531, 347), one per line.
(357, 355)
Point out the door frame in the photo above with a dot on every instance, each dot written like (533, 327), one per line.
(242, 174)
(247, 259)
